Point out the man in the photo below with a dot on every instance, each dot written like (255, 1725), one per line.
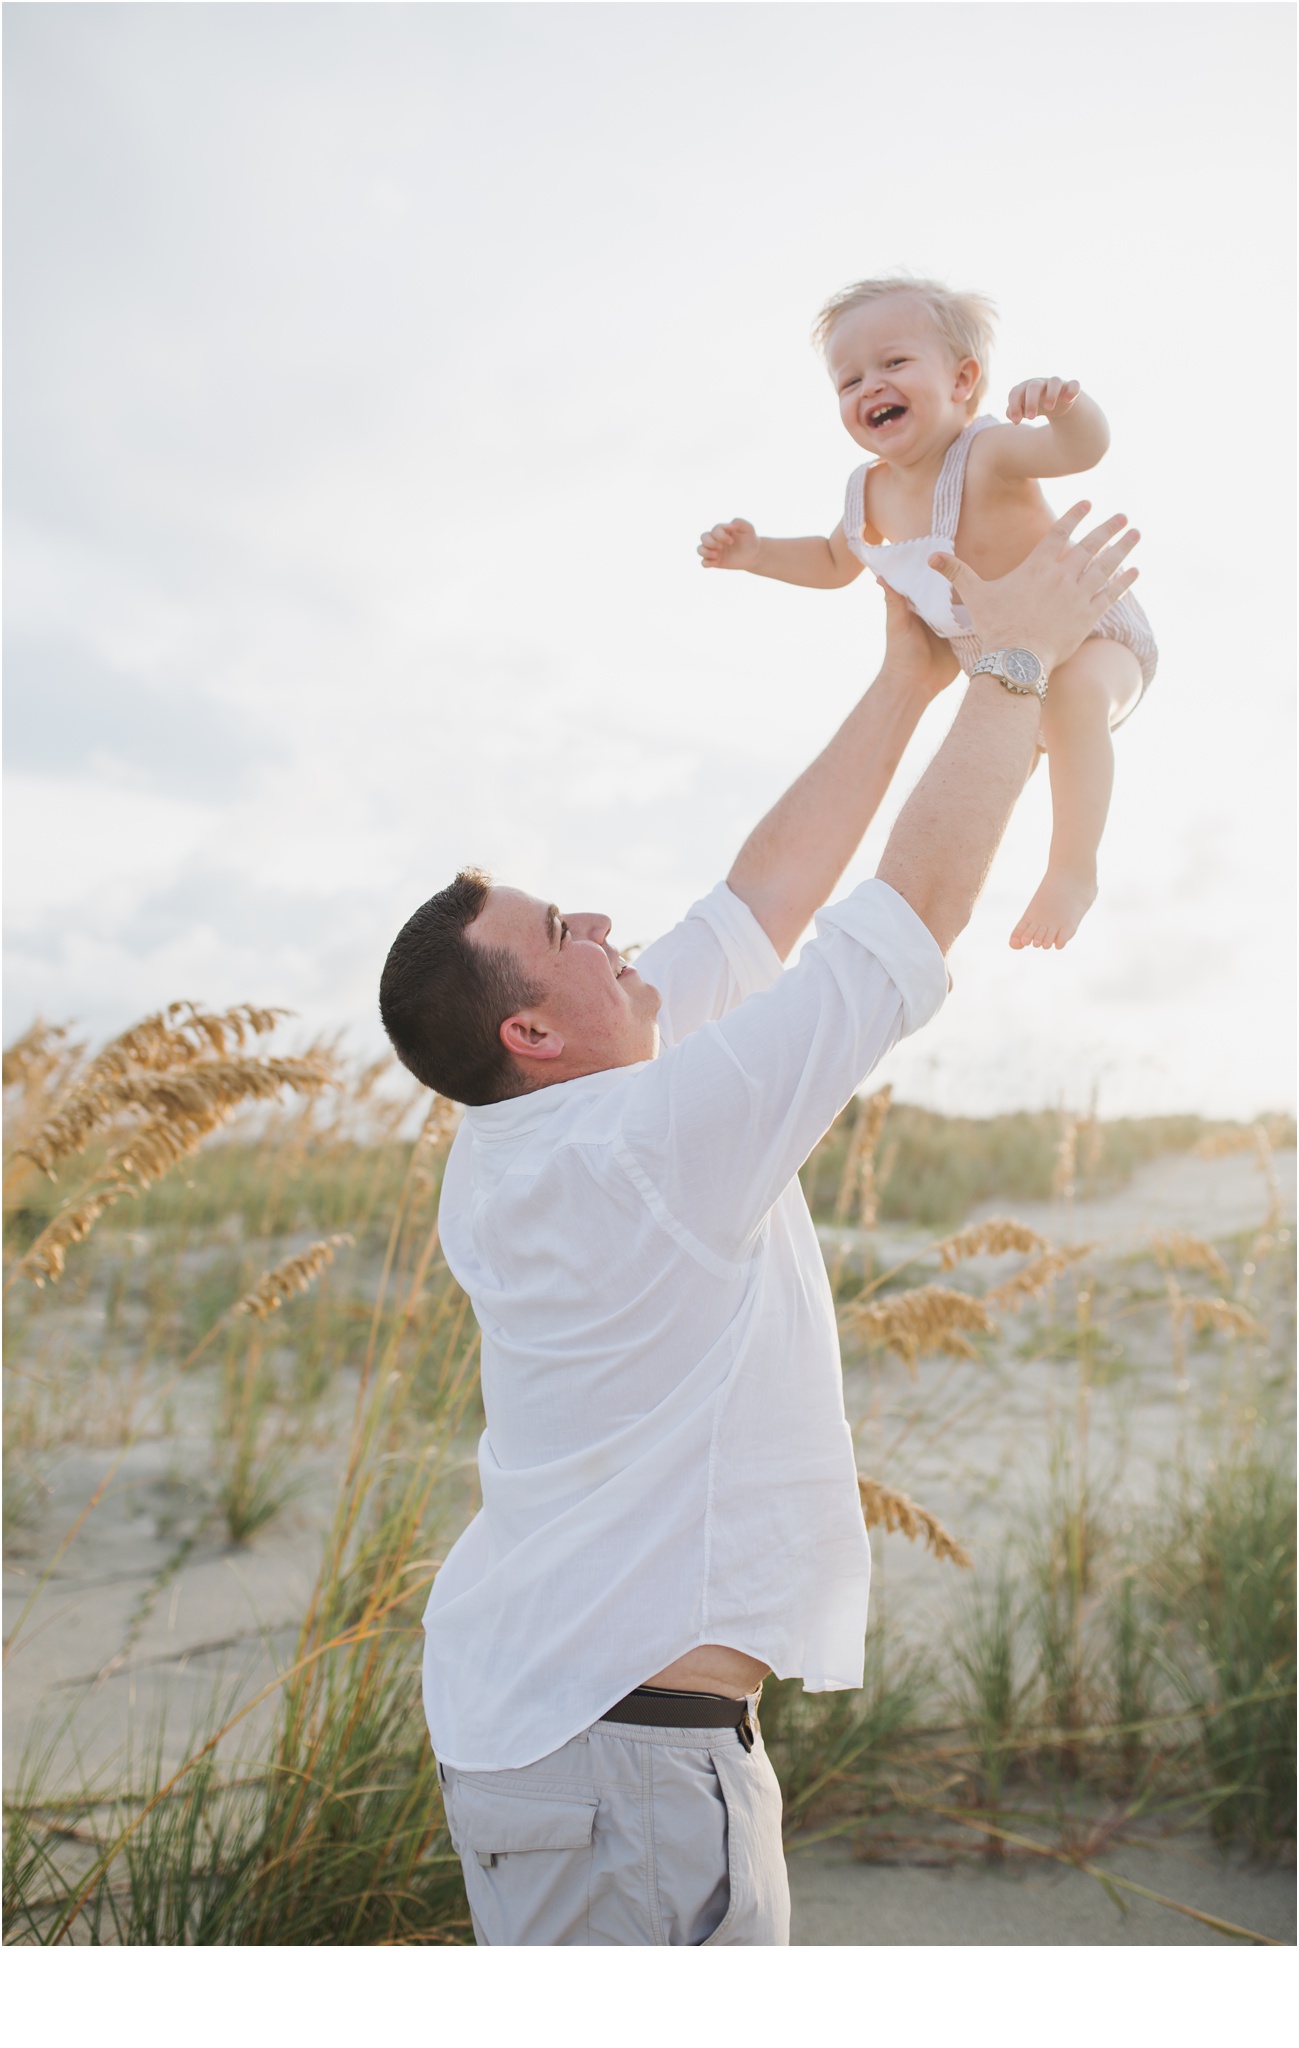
(670, 1508)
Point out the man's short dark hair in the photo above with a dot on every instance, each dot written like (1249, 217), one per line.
(443, 999)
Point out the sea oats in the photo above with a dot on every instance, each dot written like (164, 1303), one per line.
(859, 1181)
(180, 1109)
(295, 1276)
(870, 1176)
(441, 1123)
(184, 1032)
(41, 1048)
(39, 1070)
(176, 1039)
(71, 1225)
(1217, 1314)
(920, 1320)
(998, 1234)
(1066, 1160)
(883, 1507)
(1036, 1276)
(367, 1077)
(1179, 1248)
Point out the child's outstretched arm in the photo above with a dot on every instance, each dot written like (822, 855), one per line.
(815, 562)
(1074, 438)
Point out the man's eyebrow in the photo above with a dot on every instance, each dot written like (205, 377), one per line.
(552, 922)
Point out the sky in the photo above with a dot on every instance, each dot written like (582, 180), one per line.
(370, 372)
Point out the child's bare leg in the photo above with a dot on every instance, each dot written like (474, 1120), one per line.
(1085, 696)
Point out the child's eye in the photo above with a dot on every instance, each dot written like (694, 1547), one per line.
(849, 385)
(894, 362)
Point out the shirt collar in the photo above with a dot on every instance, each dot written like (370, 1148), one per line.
(523, 1113)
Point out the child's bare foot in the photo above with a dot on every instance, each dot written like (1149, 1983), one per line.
(1057, 910)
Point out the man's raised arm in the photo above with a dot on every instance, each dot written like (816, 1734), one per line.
(942, 846)
(793, 859)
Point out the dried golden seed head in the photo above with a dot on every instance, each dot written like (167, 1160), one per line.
(883, 1506)
(41, 1048)
(1179, 1248)
(166, 1084)
(1035, 1277)
(988, 1240)
(1216, 1314)
(295, 1276)
(920, 1320)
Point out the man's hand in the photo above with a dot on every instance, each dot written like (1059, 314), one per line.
(913, 655)
(1041, 398)
(1052, 601)
(734, 545)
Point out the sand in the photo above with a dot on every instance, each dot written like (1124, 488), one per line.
(151, 1613)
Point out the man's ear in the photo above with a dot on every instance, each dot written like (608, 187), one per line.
(528, 1040)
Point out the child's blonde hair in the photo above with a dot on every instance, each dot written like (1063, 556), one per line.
(965, 320)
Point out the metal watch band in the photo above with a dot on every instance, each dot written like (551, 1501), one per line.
(999, 664)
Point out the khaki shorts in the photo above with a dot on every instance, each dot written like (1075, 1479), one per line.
(627, 1837)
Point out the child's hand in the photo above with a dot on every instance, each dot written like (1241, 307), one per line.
(732, 546)
(1041, 398)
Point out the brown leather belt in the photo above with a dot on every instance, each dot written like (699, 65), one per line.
(659, 1706)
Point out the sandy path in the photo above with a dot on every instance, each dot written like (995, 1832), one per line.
(840, 1903)
(1213, 1198)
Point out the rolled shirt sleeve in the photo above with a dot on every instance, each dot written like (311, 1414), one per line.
(715, 1129)
(714, 959)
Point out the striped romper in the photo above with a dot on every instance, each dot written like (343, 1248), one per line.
(904, 566)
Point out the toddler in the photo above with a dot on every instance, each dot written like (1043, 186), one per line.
(908, 359)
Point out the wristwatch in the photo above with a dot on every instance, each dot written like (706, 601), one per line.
(1015, 669)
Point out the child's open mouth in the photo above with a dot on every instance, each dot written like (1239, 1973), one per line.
(884, 416)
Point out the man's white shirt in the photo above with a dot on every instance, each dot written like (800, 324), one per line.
(666, 1460)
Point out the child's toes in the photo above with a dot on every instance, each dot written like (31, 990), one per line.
(1055, 912)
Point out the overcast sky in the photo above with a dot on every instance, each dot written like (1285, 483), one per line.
(371, 371)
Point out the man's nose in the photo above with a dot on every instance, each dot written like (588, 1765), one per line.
(590, 924)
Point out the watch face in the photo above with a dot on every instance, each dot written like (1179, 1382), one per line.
(1021, 666)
